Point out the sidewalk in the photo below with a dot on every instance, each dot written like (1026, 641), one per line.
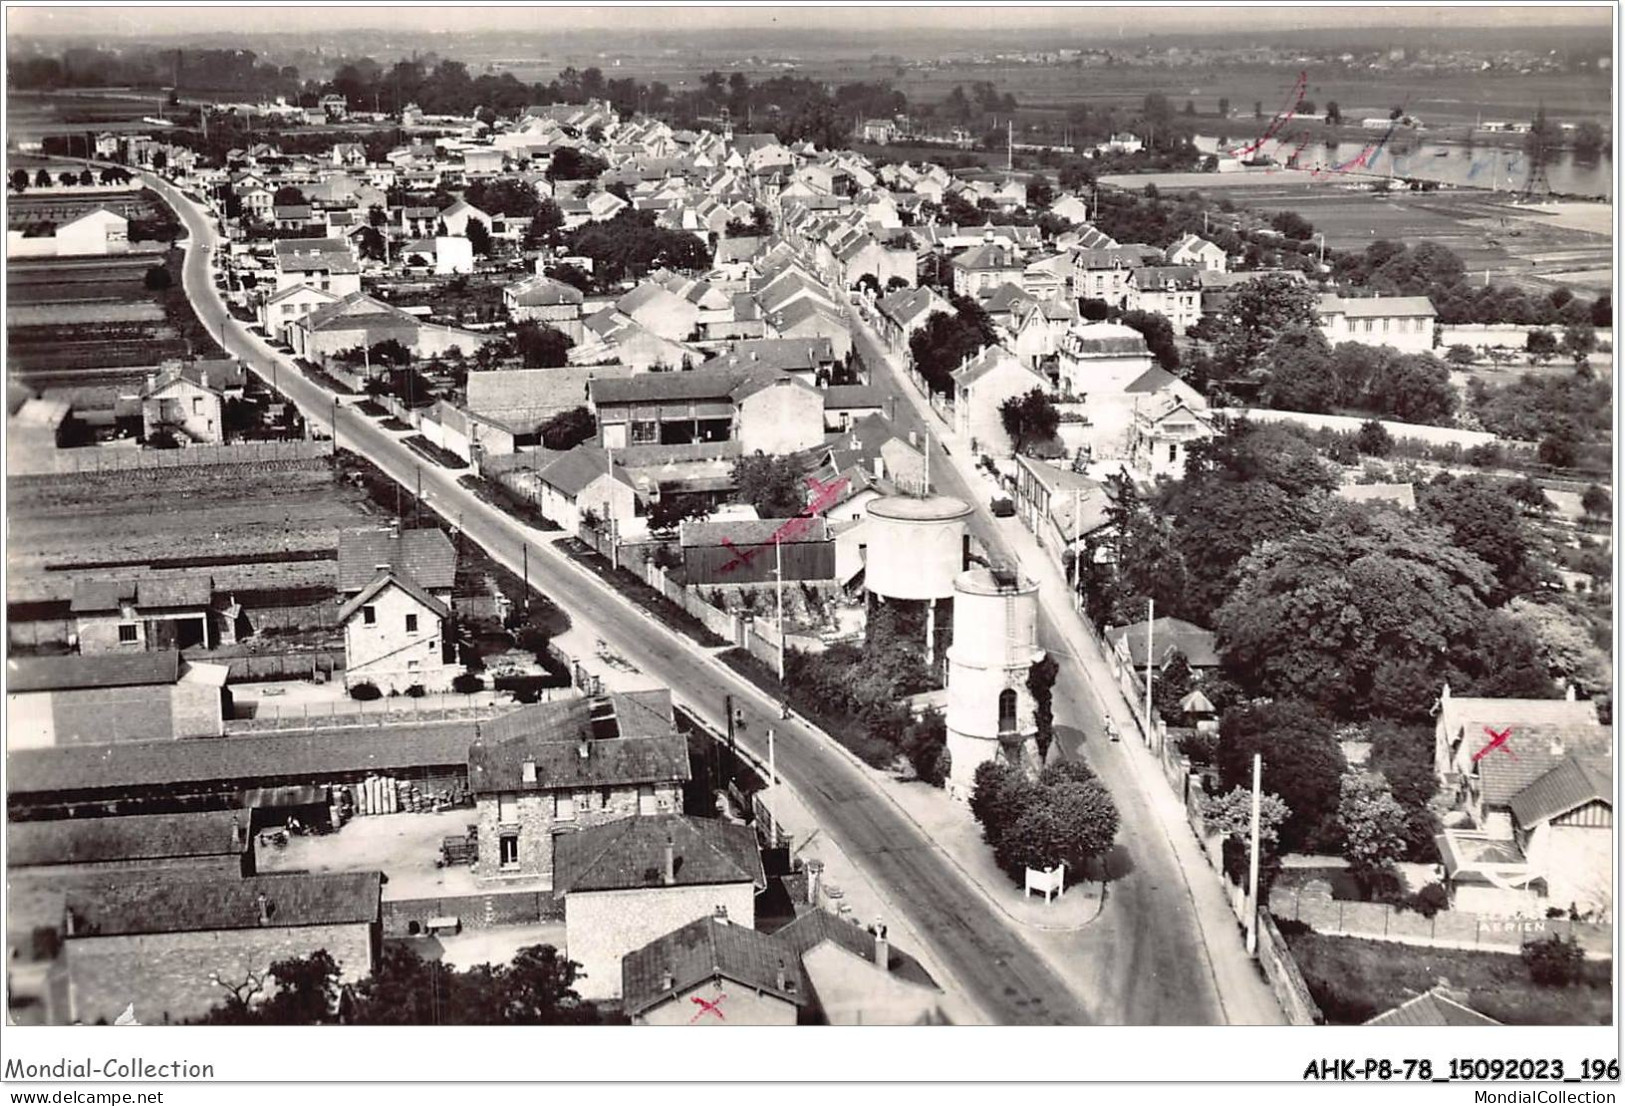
(1245, 997)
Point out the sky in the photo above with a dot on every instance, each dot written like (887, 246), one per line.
(159, 20)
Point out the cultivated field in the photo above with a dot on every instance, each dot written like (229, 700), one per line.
(282, 514)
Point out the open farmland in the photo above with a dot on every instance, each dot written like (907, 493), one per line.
(69, 317)
(278, 520)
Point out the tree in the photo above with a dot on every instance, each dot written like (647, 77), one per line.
(1040, 192)
(1069, 822)
(1483, 519)
(1230, 814)
(157, 279)
(1541, 345)
(925, 744)
(538, 988)
(479, 238)
(1559, 448)
(1567, 648)
(544, 224)
(1298, 371)
(42, 179)
(1579, 340)
(288, 195)
(998, 794)
(568, 163)
(19, 180)
(1460, 355)
(568, 429)
(1596, 502)
(770, 484)
(1555, 961)
(1293, 225)
(1029, 419)
(1328, 616)
(1302, 764)
(672, 509)
(1373, 825)
(307, 991)
(1334, 113)
(540, 345)
(1158, 333)
(1257, 312)
(1170, 685)
(1589, 140)
(1373, 439)
(940, 346)
(1041, 684)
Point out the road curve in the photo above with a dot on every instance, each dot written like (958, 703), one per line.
(1005, 975)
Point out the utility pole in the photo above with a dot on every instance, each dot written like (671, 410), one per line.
(417, 503)
(525, 560)
(1077, 542)
(1150, 666)
(773, 788)
(778, 590)
(1252, 865)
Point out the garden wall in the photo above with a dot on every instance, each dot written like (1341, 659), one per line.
(1348, 424)
(1313, 905)
(474, 911)
(63, 461)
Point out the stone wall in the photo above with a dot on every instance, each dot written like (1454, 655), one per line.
(1281, 970)
(498, 908)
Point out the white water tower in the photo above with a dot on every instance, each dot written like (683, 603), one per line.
(915, 550)
(990, 709)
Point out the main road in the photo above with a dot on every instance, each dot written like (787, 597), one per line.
(1006, 976)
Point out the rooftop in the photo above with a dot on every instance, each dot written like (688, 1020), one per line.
(931, 508)
(630, 853)
(704, 950)
(127, 837)
(174, 902)
(425, 555)
(575, 743)
(75, 671)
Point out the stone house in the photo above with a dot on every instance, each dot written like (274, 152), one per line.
(188, 399)
(155, 612)
(981, 386)
(631, 881)
(395, 637)
(553, 769)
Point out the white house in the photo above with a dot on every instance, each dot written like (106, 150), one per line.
(189, 400)
(282, 309)
(394, 637)
(1403, 322)
(1162, 433)
(981, 385)
(1101, 357)
(1199, 253)
(1172, 291)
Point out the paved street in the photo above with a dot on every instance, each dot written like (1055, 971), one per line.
(978, 945)
(1167, 938)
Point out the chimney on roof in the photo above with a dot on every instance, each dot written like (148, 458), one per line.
(668, 868)
(882, 948)
(780, 977)
(527, 771)
(1557, 746)
(720, 915)
(584, 748)
(264, 905)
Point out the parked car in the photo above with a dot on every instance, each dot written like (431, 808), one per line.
(1002, 507)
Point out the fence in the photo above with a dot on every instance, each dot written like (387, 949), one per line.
(719, 622)
(90, 459)
(1348, 424)
(248, 667)
(1312, 904)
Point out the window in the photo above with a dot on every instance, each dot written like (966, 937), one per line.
(564, 807)
(1007, 710)
(509, 850)
(646, 432)
(507, 808)
(411, 623)
(197, 405)
(369, 615)
(126, 633)
(604, 795)
(1173, 452)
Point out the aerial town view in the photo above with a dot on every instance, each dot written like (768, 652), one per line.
(1062, 517)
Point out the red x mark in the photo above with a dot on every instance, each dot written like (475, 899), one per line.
(1498, 741)
(706, 1008)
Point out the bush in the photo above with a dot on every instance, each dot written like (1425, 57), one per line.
(1554, 962)
(1374, 440)
(416, 691)
(1430, 900)
(365, 692)
(468, 683)
(157, 279)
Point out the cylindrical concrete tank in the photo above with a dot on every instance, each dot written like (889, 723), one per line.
(916, 546)
(995, 642)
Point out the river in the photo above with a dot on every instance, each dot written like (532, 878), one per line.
(1490, 167)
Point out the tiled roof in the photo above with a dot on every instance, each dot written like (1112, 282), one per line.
(174, 591)
(1168, 634)
(784, 354)
(174, 903)
(248, 760)
(1377, 306)
(1153, 379)
(1573, 783)
(1459, 713)
(1536, 750)
(813, 927)
(425, 555)
(127, 837)
(543, 291)
(553, 736)
(24, 674)
(704, 950)
(386, 579)
(101, 595)
(571, 471)
(1435, 1007)
(630, 853)
(839, 397)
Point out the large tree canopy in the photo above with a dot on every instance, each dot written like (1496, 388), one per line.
(1331, 614)
(1302, 764)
